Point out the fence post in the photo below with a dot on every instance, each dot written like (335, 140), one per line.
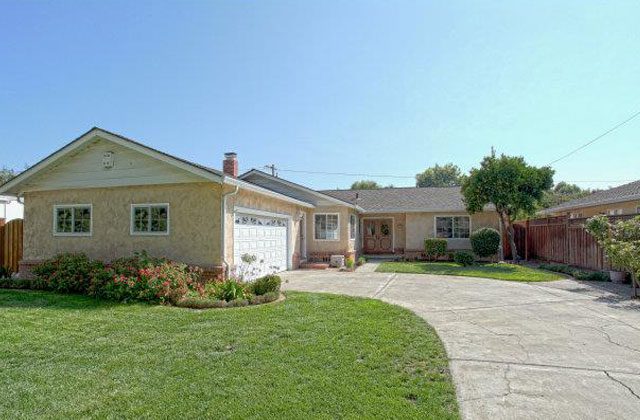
(526, 240)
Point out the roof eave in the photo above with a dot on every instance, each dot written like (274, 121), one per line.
(584, 205)
(261, 190)
(12, 186)
(301, 187)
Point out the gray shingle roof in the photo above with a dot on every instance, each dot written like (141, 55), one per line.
(403, 199)
(626, 192)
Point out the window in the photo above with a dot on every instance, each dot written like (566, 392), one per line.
(327, 227)
(614, 212)
(72, 220)
(149, 219)
(453, 227)
(353, 226)
(576, 215)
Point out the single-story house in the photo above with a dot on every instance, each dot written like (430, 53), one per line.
(109, 196)
(622, 200)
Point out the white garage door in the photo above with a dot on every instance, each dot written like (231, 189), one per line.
(259, 245)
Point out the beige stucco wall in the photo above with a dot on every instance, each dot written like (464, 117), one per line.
(194, 218)
(420, 226)
(341, 246)
(628, 207)
(255, 201)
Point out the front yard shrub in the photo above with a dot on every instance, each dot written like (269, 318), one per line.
(349, 263)
(464, 258)
(361, 261)
(73, 273)
(434, 248)
(5, 272)
(485, 242)
(227, 290)
(10, 283)
(266, 284)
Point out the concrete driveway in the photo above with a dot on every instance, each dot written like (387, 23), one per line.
(563, 349)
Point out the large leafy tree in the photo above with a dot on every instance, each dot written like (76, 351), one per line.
(448, 175)
(365, 185)
(511, 185)
(561, 193)
(6, 174)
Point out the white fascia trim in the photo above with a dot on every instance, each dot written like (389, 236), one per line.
(90, 135)
(582, 206)
(252, 187)
(300, 187)
(383, 211)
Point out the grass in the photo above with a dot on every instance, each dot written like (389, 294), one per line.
(491, 271)
(313, 355)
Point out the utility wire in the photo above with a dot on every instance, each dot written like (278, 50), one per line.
(612, 129)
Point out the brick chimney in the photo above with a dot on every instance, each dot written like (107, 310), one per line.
(230, 164)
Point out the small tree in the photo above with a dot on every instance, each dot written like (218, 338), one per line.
(620, 241)
(365, 185)
(511, 185)
(448, 175)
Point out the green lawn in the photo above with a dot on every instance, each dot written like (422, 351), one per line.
(313, 355)
(491, 271)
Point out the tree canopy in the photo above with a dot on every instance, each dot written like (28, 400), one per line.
(365, 185)
(561, 193)
(448, 175)
(6, 174)
(511, 185)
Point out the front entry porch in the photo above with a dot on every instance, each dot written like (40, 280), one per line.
(378, 235)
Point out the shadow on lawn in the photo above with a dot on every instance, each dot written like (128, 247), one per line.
(20, 298)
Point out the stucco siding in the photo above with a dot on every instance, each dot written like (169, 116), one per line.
(420, 226)
(194, 217)
(341, 246)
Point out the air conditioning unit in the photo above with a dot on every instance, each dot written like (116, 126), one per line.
(107, 160)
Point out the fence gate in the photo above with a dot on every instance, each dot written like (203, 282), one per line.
(11, 244)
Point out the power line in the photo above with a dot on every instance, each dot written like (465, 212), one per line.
(408, 176)
(612, 129)
(348, 174)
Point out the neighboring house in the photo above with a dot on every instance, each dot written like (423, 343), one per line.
(10, 208)
(621, 200)
(109, 196)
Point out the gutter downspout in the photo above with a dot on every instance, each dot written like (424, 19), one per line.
(223, 222)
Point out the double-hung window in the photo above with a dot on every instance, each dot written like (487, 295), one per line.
(327, 227)
(72, 220)
(353, 226)
(453, 227)
(150, 219)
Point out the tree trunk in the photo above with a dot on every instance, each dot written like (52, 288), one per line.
(508, 227)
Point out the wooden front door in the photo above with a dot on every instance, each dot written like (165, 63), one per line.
(378, 236)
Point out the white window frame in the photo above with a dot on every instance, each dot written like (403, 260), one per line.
(314, 227)
(575, 215)
(614, 212)
(56, 207)
(450, 216)
(353, 224)
(148, 233)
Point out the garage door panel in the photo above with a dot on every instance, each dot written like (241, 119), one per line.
(261, 237)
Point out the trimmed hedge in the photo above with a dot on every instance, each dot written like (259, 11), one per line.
(485, 242)
(464, 258)
(435, 248)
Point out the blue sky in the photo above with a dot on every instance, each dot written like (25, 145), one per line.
(361, 86)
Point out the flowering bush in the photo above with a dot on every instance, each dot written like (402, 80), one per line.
(151, 279)
(68, 273)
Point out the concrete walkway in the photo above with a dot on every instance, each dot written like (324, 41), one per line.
(563, 349)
